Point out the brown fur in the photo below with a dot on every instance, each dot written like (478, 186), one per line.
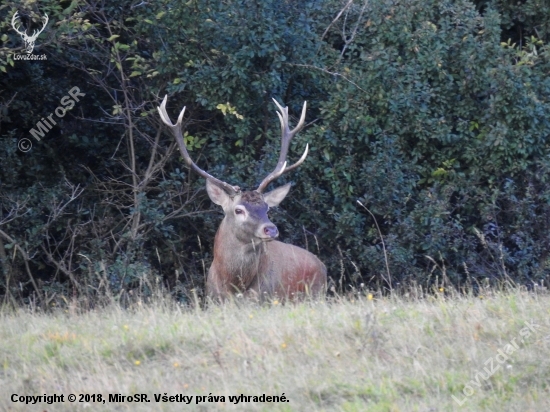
(252, 198)
(262, 268)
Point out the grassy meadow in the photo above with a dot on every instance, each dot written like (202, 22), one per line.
(484, 353)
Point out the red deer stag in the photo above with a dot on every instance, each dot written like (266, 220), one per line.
(247, 258)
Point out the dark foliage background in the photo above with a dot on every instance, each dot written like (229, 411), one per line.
(434, 115)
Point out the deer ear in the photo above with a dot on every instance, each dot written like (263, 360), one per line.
(217, 194)
(276, 196)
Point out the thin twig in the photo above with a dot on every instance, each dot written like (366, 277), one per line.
(336, 19)
(309, 66)
(383, 245)
(349, 40)
(26, 260)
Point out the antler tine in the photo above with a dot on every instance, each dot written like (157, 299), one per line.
(300, 160)
(37, 32)
(286, 137)
(176, 131)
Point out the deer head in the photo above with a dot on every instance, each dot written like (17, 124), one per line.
(28, 40)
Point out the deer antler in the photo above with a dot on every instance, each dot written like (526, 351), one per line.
(14, 22)
(176, 131)
(286, 137)
(24, 33)
(37, 32)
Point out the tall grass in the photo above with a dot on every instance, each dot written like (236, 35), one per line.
(388, 354)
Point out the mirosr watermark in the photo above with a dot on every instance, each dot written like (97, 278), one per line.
(24, 145)
(46, 124)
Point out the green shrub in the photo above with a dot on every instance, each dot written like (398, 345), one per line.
(422, 110)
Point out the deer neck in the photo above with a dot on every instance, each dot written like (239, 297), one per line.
(235, 258)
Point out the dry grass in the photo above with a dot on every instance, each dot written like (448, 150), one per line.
(375, 355)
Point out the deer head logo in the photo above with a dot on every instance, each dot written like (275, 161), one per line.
(29, 40)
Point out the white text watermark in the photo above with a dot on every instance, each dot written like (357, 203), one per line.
(45, 124)
(493, 364)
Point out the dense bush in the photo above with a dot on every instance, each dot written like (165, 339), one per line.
(423, 111)
(466, 120)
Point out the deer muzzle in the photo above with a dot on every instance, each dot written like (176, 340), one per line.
(270, 232)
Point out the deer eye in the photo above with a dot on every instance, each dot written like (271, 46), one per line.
(239, 211)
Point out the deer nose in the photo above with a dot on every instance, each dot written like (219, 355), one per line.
(271, 231)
